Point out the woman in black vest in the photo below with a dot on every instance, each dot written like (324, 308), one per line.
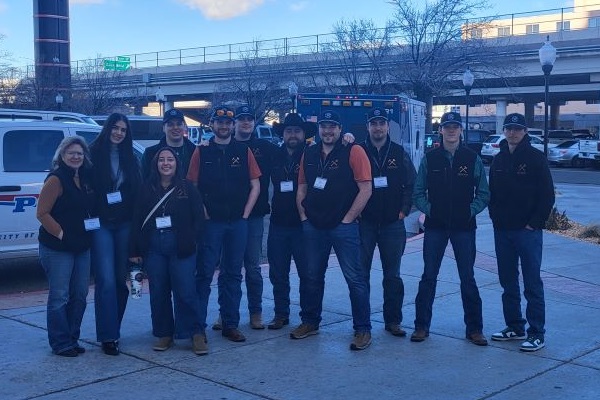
(65, 211)
(116, 178)
(167, 222)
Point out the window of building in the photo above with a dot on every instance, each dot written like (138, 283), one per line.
(563, 26)
(594, 22)
(476, 33)
(504, 31)
(532, 29)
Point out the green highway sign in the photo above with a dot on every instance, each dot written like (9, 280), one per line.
(120, 64)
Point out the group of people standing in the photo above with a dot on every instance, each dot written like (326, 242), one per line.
(190, 210)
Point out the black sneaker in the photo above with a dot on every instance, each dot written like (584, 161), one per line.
(533, 343)
(508, 334)
(68, 353)
(110, 348)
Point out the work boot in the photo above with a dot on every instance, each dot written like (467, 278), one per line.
(361, 341)
(304, 331)
(395, 330)
(233, 334)
(256, 321)
(199, 344)
(278, 323)
(218, 325)
(163, 343)
(419, 335)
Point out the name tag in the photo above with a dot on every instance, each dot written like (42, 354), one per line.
(380, 182)
(163, 222)
(320, 183)
(114, 197)
(91, 224)
(286, 186)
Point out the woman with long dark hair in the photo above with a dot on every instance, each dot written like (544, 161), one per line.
(166, 227)
(116, 177)
(65, 210)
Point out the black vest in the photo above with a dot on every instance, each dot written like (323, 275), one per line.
(283, 205)
(263, 151)
(451, 189)
(70, 210)
(224, 180)
(385, 203)
(325, 208)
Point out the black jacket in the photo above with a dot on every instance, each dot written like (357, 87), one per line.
(521, 186)
(184, 153)
(184, 206)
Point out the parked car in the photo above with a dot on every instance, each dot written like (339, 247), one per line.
(559, 135)
(475, 138)
(15, 114)
(266, 132)
(27, 148)
(566, 154)
(491, 146)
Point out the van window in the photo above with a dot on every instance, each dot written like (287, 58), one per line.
(88, 136)
(66, 119)
(16, 117)
(30, 150)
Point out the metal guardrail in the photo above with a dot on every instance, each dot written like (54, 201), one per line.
(320, 42)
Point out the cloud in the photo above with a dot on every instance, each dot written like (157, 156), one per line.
(223, 9)
(87, 1)
(299, 6)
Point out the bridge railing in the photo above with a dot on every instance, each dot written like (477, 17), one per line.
(560, 23)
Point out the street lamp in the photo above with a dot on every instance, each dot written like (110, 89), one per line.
(468, 80)
(293, 90)
(59, 100)
(161, 99)
(547, 59)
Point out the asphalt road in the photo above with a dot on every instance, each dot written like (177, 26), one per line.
(26, 275)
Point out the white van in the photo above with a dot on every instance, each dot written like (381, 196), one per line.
(13, 114)
(26, 150)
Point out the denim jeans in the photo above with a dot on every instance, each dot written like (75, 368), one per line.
(254, 279)
(524, 245)
(68, 283)
(283, 243)
(229, 240)
(391, 241)
(110, 265)
(463, 245)
(345, 240)
(169, 274)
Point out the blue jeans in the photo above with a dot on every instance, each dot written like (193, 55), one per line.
(524, 245)
(110, 265)
(254, 279)
(68, 283)
(229, 240)
(169, 274)
(284, 243)
(345, 240)
(391, 241)
(463, 245)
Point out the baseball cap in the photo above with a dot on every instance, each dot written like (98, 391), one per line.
(451, 118)
(377, 112)
(222, 112)
(514, 119)
(330, 116)
(244, 110)
(173, 113)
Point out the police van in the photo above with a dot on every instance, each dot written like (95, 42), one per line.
(26, 151)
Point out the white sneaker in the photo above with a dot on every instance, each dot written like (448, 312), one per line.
(508, 334)
(533, 343)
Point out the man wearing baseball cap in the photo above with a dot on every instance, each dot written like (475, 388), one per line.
(227, 177)
(451, 189)
(382, 220)
(522, 197)
(175, 129)
(334, 185)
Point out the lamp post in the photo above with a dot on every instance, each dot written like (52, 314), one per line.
(59, 100)
(468, 80)
(160, 98)
(293, 90)
(547, 58)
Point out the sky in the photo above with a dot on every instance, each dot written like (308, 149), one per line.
(123, 27)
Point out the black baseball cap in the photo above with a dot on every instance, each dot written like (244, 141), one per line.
(173, 113)
(515, 119)
(377, 113)
(222, 112)
(451, 118)
(244, 110)
(330, 116)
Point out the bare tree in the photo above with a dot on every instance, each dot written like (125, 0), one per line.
(259, 82)
(437, 40)
(354, 61)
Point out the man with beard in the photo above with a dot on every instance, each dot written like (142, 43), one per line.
(227, 177)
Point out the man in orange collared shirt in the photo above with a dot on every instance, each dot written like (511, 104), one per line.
(334, 185)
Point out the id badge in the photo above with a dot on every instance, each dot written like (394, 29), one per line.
(320, 183)
(91, 224)
(114, 197)
(380, 182)
(163, 222)
(286, 186)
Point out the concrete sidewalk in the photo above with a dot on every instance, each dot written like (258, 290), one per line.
(269, 365)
